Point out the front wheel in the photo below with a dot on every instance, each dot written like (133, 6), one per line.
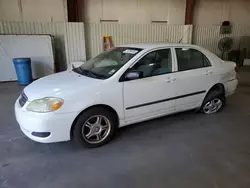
(95, 127)
(213, 102)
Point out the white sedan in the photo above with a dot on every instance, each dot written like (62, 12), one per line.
(124, 85)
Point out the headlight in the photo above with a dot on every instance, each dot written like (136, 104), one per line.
(47, 104)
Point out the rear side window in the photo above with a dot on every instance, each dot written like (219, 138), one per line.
(190, 59)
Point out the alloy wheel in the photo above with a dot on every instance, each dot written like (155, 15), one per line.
(96, 129)
(212, 106)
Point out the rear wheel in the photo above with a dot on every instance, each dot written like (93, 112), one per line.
(213, 102)
(95, 127)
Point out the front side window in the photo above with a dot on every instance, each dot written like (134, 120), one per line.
(155, 63)
(190, 59)
(107, 63)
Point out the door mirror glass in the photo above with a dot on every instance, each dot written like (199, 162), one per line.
(132, 75)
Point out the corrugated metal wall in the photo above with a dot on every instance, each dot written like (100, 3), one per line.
(129, 33)
(209, 36)
(75, 42)
(69, 39)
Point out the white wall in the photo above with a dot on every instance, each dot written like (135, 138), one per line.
(135, 11)
(33, 10)
(214, 12)
(68, 38)
(206, 12)
(132, 33)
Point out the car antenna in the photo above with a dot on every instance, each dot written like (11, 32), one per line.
(184, 35)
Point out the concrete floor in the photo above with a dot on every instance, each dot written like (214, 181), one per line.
(184, 150)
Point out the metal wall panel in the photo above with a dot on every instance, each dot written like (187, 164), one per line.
(129, 33)
(75, 42)
(70, 38)
(69, 41)
(209, 36)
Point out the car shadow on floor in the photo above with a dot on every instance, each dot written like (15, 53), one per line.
(149, 130)
(125, 133)
(143, 129)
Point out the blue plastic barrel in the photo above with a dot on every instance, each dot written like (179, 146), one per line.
(23, 70)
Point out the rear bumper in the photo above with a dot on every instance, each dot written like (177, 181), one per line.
(230, 87)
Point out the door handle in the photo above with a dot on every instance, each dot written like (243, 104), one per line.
(208, 72)
(170, 80)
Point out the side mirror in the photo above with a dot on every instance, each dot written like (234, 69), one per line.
(133, 75)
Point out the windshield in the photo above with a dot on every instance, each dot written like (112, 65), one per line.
(107, 63)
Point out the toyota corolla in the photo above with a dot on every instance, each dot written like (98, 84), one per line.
(124, 85)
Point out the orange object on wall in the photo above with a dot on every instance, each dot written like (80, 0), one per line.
(107, 43)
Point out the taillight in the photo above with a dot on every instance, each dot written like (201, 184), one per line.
(236, 68)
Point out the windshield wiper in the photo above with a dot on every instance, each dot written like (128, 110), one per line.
(81, 71)
(90, 73)
(98, 75)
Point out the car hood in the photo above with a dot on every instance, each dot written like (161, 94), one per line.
(59, 85)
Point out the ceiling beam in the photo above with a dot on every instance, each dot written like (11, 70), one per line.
(75, 8)
(189, 12)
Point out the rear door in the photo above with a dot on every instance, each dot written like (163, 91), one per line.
(193, 78)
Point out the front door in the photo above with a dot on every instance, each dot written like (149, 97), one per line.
(153, 94)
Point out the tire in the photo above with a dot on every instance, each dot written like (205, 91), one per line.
(93, 122)
(213, 102)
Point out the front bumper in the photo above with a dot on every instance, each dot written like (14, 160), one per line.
(44, 127)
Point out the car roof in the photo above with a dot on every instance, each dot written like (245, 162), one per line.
(150, 45)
